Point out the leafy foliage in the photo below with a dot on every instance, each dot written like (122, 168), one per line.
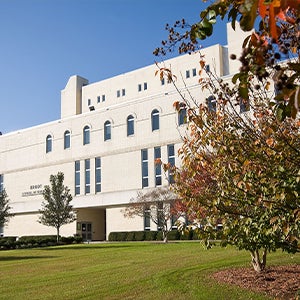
(276, 38)
(4, 208)
(242, 169)
(160, 205)
(56, 209)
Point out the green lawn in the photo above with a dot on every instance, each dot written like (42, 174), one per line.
(132, 270)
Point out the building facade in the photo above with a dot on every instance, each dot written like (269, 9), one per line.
(106, 142)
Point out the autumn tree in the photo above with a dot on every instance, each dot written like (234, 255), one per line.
(4, 208)
(243, 168)
(275, 38)
(158, 205)
(56, 209)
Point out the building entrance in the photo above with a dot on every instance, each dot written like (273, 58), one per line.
(84, 229)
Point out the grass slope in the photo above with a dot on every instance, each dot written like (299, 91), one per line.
(132, 270)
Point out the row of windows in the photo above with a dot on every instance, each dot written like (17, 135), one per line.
(157, 168)
(120, 93)
(211, 102)
(188, 73)
(107, 129)
(144, 86)
(145, 170)
(87, 176)
(160, 217)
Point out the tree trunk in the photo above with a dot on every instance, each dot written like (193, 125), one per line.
(257, 263)
(57, 235)
(165, 236)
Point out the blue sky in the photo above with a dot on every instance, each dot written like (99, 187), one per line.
(44, 42)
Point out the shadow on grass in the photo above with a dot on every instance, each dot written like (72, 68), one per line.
(12, 258)
(100, 246)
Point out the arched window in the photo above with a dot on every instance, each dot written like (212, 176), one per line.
(107, 130)
(155, 119)
(182, 115)
(67, 139)
(86, 135)
(212, 103)
(130, 125)
(48, 143)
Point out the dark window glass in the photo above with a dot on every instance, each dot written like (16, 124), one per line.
(130, 125)
(107, 130)
(77, 177)
(145, 180)
(1, 184)
(212, 103)
(147, 219)
(86, 135)
(182, 116)
(67, 139)
(157, 166)
(244, 105)
(87, 176)
(171, 161)
(98, 174)
(155, 119)
(48, 143)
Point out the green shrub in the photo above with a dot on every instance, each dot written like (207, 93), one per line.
(174, 235)
(150, 235)
(118, 236)
(187, 235)
(130, 236)
(139, 235)
(8, 242)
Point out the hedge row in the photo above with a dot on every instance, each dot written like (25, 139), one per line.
(150, 236)
(36, 241)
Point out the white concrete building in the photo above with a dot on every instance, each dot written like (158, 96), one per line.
(105, 142)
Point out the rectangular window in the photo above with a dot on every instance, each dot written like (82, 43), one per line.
(123, 92)
(187, 74)
(162, 81)
(118, 93)
(207, 68)
(145, 177)
(89, 102)
(174, 222)
(77, 177)
(145, 86)
(160, 215)
(171, 161)
(194, 72)
(98, 99)
(87, 167)
(98, 174)
(157, 166)
(147, 213)
(103, 98)
(139, 87)
(1, 183)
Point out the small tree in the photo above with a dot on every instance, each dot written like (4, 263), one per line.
(56, 210)
(159, 205)
(4, 208)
